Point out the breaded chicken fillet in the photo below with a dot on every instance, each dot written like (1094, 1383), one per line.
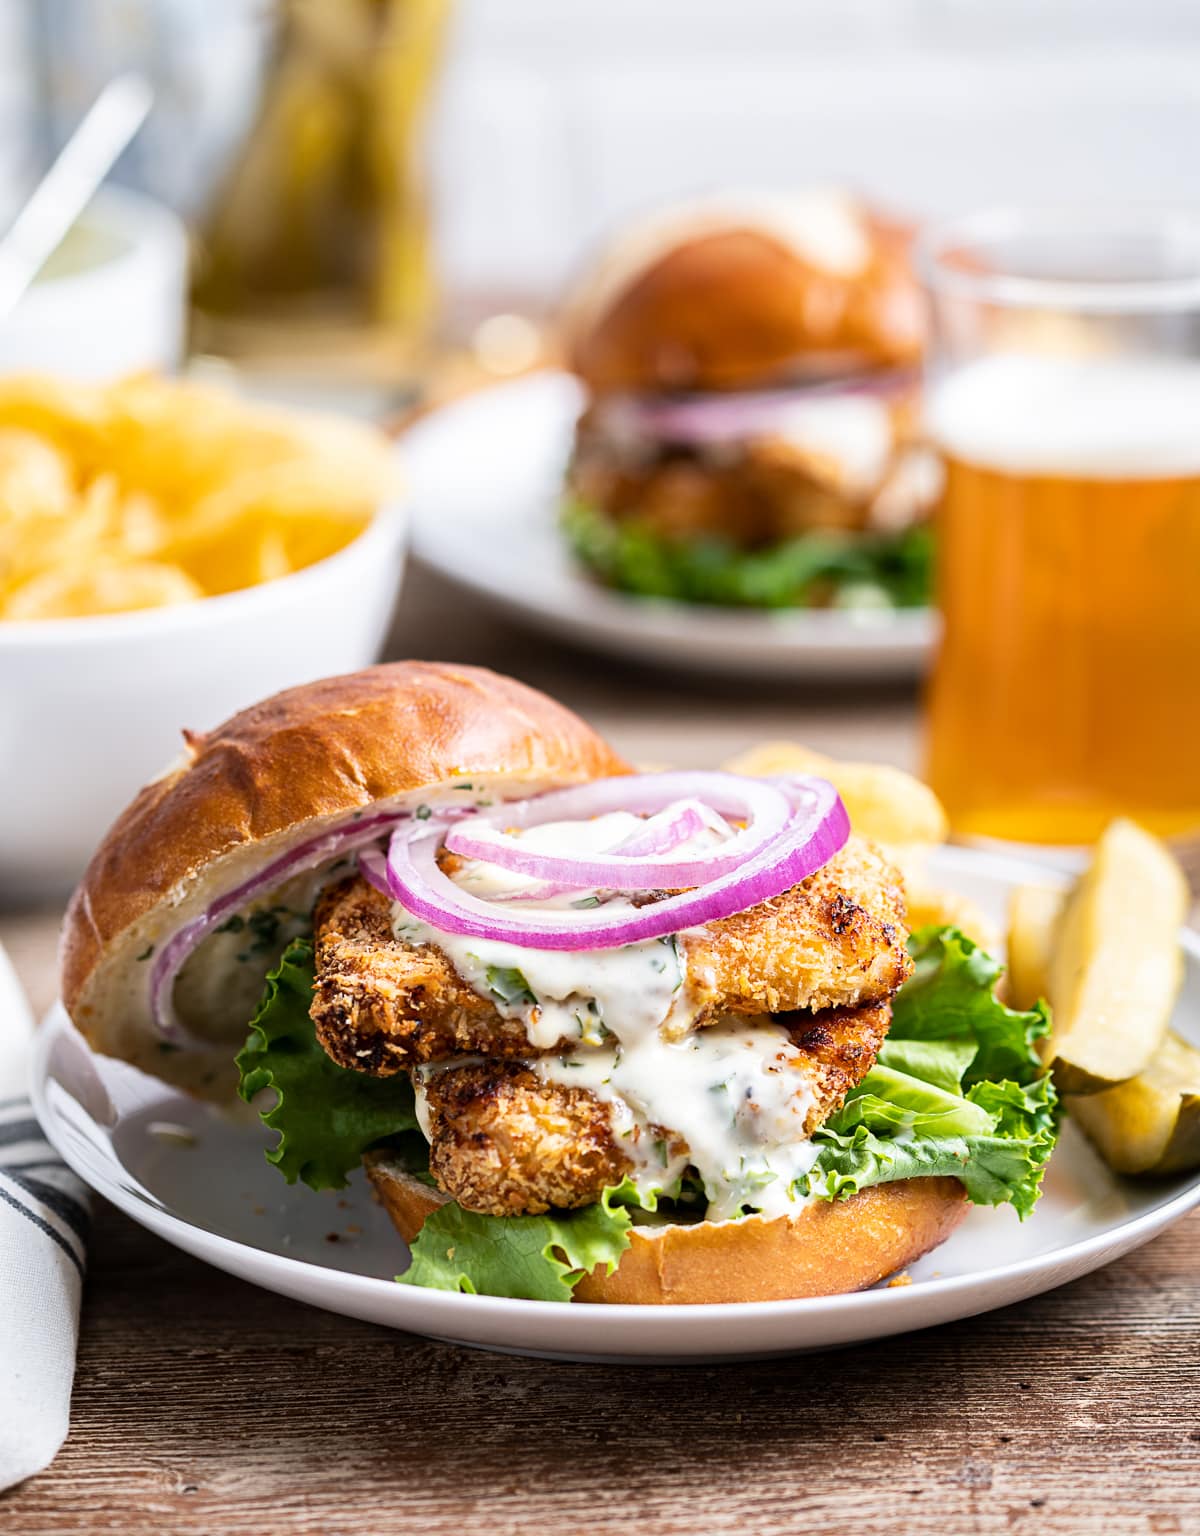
(505, 1142)
(836, 940)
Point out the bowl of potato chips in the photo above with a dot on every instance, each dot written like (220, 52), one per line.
(168, 553)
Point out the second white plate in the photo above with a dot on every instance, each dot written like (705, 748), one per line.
(486, 476)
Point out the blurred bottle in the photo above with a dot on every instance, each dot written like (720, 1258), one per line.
(316, 249)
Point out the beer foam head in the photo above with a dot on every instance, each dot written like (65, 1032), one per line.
(1088, 417)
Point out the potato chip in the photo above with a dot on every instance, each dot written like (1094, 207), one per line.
(36, 478)
(154, 491)
(69, 416)
(927, 904)
(884, 803)
(106, 587)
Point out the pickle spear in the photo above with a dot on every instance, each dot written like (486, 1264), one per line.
(1033, 916)
(1116, 965)
(1151, 1124)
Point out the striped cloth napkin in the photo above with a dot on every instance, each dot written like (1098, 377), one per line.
(43, 1224)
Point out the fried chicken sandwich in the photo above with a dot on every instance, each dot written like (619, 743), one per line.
(597, 1035)
(750, 433)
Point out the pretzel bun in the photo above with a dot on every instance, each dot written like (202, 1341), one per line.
(826, 1249)
(306, 762)
(742, 290)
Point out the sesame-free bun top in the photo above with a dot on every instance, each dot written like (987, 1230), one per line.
(744, 289)
(307, 761)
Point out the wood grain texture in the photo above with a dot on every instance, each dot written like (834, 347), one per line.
(205, 1406)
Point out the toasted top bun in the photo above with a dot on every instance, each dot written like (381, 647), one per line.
(826, 1249)
(743, 290)
(307, 761)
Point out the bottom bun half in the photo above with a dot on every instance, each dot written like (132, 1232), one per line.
(826, 1249)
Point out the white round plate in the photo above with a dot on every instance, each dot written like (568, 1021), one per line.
(486, 476)
(216, 1197)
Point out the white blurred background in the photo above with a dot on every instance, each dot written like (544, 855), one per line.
(553, 120)
(557, 120)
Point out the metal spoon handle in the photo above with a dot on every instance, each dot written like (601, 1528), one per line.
(70, 183)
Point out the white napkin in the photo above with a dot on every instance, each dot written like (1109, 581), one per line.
(44, 1215)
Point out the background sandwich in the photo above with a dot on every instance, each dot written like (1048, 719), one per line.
(750, 436)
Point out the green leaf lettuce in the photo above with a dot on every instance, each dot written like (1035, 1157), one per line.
(822, 567)
(957, 1088)
(326, 1116)
(950, 999)
(1002, 1166)
(537, 1258)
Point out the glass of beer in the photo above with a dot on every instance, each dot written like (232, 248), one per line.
(1063, 398)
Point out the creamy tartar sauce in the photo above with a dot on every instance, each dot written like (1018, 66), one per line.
(736, 1096)
(729, 1100)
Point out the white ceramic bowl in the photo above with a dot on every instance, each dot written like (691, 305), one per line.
(119, 309)
(92, 708)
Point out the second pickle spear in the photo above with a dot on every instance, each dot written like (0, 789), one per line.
(1151, 1124)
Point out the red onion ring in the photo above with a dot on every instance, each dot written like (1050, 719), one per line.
(733, 416)
(659, 834)
(759, 803)
(818, 828)
(325, 845)
(372, 865)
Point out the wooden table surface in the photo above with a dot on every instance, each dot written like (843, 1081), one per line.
(204, 1405)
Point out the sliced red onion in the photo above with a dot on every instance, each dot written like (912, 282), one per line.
(733, 416)
(761, 805)
(307, 855)
(818, 827)
(372, 863)
(657, 835)
(814, 828)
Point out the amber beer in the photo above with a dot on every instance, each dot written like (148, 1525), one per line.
(1067, 688)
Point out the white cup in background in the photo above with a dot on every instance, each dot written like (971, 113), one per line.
(112, 300)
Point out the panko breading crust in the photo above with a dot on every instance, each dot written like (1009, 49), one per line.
(835, 940)
(504, 1142)
(380, 1005)
(762, 492)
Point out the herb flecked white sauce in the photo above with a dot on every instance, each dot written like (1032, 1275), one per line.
(222, 979)
(729, 1100)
